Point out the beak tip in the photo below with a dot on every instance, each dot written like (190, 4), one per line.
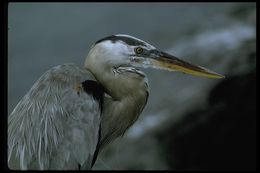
(172, 63)
(219, 76)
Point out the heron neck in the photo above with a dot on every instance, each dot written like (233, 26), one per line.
(118, 116)
(119, 85)
(128, 95)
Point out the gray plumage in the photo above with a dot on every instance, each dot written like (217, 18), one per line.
(54, 126)
(72, 112)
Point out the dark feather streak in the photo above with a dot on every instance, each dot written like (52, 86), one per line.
(97, 91)
(127, 40)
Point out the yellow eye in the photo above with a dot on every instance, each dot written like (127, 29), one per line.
(138, 50)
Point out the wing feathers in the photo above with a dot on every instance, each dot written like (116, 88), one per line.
(53, 127)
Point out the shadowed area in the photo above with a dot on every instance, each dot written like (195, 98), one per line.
(221, 136)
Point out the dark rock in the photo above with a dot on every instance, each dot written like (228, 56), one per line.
(221, 137)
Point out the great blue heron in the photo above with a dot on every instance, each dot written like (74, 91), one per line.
(70, 113)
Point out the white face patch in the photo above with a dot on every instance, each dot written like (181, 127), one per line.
(114, 53)
(119, 50)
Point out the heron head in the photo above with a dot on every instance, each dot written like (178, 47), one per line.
(128, 52)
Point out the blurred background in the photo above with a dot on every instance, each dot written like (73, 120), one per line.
(189, 123)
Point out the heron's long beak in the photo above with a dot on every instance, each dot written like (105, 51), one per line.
(172, 63)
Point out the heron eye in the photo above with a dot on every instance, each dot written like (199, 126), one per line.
(138, 50)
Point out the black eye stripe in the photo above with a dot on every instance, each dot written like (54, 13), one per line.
(127, 40)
